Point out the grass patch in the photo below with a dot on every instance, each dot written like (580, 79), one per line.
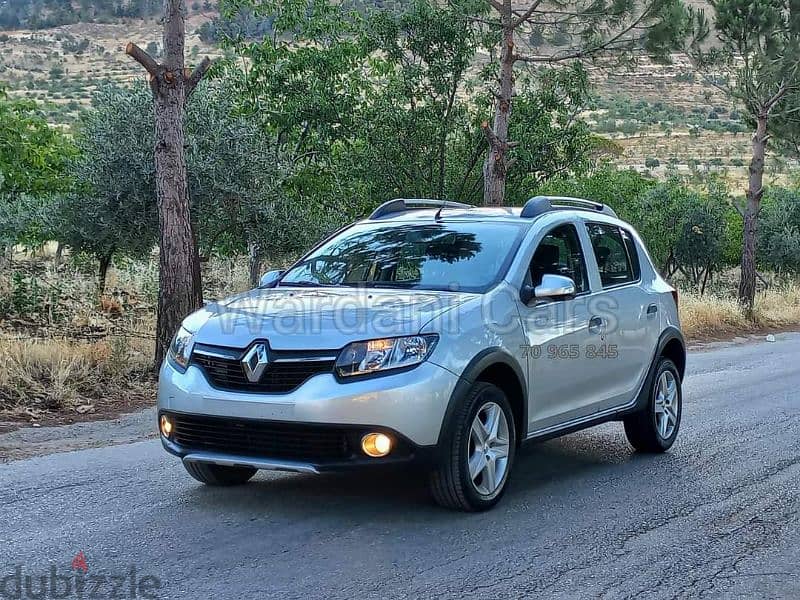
(713, 315)
(46, 375)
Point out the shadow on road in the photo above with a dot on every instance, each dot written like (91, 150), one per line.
(541, 471)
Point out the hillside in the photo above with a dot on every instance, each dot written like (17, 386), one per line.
(661, 116)
(61, 66)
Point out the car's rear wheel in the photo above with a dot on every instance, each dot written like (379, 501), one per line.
(478, 453)
(212, 474)
(655, 428)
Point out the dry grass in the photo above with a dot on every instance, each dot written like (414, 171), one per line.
(715, 316)
(37, 376)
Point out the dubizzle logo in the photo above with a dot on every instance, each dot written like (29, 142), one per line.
(79, 562)
(78, 583)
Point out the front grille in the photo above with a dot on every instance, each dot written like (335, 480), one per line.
(227, 373)
(272, 439)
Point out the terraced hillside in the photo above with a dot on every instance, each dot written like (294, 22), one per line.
(61, 66)
(663, 117)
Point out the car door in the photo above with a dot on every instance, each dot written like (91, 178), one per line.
(557, 332)
(628, 312)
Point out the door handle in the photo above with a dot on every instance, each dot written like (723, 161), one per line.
(652, 310)
(596, 325)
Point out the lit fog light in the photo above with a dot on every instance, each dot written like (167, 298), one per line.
(376, 444)
(165, 423)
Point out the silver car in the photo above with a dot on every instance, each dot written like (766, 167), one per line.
(432, 333)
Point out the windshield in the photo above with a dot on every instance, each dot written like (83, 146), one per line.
(465, 256)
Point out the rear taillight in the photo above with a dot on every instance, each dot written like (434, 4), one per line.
(675, 297)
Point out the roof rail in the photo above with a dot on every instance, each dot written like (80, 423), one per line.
(539, 205)
(399, 205)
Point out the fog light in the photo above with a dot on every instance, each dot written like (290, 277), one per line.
(165, 423)
(376, 444)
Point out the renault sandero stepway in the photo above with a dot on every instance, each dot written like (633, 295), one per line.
(435, 334)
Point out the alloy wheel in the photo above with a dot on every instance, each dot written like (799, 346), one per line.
(488, 449)
(666, 405)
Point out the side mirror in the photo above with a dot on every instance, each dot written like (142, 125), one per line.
(555, 286)
(270, 279)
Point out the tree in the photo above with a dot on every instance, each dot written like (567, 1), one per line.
(234, 180)
(33, 162)
(575, 30)
(779, 239)
(756, 63)
(180, 287)
(421, 60)
(112, 209)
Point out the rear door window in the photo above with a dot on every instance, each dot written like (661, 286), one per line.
(612, 254)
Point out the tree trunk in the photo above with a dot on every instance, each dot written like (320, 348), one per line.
(254, 262)
(59, 254)
(180, 288)
(495, 167)
(102, 273)
(755, 190)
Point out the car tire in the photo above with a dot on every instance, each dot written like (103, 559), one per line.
(451, 482)
(212, 474)
(655, 428)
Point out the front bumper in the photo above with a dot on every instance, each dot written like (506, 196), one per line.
(281, 446)
(409, 406)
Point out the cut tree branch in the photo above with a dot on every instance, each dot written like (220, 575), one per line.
(197, 75)
(143, 58)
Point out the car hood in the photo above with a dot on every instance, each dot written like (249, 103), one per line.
(318, 318)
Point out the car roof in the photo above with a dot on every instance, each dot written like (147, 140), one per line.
(553, 208)
(493, 215)
(478, 213)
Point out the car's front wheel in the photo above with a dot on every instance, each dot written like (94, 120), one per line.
(211, 474)
(478, 453)
(655, 428)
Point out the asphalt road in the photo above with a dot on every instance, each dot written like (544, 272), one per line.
(584, 516)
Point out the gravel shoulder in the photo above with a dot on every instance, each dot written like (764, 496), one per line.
(36, 441)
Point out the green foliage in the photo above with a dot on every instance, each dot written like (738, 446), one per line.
(386, 105)
(687, 232)
(33, 162)
(620, 189)
(33, 155)
(41, 14)
(779, 239)
(29, 298)
(235, 179)
(112, 208)
(552, 139)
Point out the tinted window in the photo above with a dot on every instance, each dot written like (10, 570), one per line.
(611, 254)
(461, 255)
(559, 253)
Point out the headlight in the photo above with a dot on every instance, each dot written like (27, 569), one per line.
(181, 347)
(361, 358)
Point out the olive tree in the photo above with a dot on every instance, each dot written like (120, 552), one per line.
(235, 179)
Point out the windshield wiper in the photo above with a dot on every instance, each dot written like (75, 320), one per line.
(306, 284)
(389, 284)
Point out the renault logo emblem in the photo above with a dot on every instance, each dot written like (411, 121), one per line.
(255, 361)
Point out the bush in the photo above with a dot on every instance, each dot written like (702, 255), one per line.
(651, 163)
(779, 231)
